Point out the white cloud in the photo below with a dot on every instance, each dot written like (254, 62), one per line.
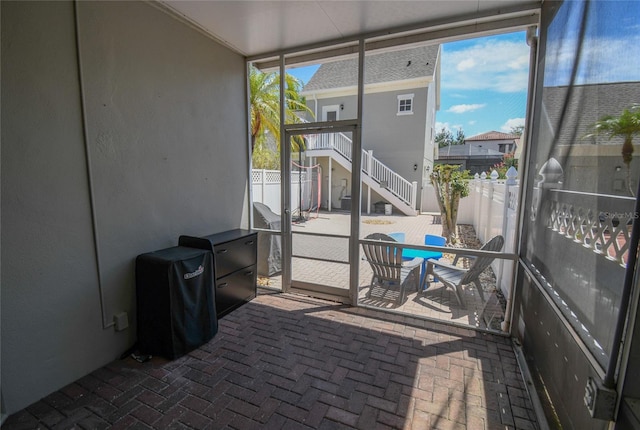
(498, 65)
(520, 63)
(452, 128)
(465, 108)
(472, 122)
(466, 64)
(603, 59)
(511, 123)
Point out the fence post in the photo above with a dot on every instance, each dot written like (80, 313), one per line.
(511, 174)
(414, 194)
(552, 174)
(263, 178)
(370, 173)
(486, 221)
(477, 197)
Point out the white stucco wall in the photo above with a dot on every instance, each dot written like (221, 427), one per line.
(166, 127)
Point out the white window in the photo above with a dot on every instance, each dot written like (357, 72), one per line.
(405, 104)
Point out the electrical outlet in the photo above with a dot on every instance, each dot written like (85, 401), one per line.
(590, 395)
(600, 401)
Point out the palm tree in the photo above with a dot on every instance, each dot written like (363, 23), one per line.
(264, 102)
(626, 125)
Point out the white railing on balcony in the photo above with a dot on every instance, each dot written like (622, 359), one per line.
(371, 166)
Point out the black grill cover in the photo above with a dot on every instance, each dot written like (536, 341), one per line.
(175, 302)
(269, 245)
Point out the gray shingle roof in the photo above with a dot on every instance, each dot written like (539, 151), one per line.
(386, 67)
(587, 104)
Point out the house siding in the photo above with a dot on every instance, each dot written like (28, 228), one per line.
(398, 141)
(155, 93)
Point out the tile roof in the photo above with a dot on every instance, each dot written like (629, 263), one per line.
(385, 67)
(492, 135)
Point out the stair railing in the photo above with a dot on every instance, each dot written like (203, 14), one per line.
(374, 168)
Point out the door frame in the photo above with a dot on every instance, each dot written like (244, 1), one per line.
(319, 290)
(330, 108)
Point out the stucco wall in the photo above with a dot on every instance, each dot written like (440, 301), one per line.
(156, 93)
(396, 140)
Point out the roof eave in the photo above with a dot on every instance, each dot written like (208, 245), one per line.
(405, 84)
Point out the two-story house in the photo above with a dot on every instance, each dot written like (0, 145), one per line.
(401, 95)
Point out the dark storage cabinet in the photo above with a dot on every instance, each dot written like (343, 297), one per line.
(235, 257)
(175, 304)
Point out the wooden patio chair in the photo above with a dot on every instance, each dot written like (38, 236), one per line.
(388, 267)
(455, 277)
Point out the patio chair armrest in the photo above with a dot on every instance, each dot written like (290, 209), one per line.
(444, 265)
(417, 261)
(458, 256)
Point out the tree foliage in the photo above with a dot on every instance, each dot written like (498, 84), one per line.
(264, 106)
(517, 130)
(445, 137)
(508, 160)
(625, 125)
(450, 186)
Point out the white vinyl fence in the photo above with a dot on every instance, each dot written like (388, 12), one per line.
(266, 189)
(491, 207)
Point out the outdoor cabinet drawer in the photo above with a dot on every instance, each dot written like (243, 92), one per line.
(235, 290)
(235, 255)
(235, 262)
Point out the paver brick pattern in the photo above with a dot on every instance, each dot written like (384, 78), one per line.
(285, 361)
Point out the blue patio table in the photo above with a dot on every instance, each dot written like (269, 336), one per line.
(413, 253)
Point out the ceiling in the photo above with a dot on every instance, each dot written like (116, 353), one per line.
(255, 27)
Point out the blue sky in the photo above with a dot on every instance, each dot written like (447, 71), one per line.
(611, 52)
(484, 84)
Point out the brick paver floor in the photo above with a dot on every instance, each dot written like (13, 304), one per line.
(285, 361)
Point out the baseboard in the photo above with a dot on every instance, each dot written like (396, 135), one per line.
(530, 386)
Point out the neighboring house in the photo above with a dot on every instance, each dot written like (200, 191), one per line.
(494, 140)
(402, 97)
(481, 152)
(474, 158)
(591, 152)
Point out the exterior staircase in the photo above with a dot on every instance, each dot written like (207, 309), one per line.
(388, 184)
